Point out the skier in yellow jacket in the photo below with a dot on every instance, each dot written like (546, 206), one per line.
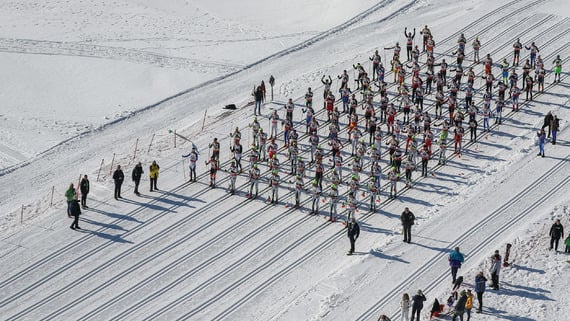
(153, 175)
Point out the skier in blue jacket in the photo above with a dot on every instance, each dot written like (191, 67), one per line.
(455, 260)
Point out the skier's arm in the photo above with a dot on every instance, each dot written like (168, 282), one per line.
(414, 34)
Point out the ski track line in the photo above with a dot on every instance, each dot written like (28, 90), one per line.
(75, 49)
(476, 228)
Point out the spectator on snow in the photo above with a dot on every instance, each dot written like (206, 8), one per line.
(547, 121)
(69, 196)
(75, 211)
(556, 232)
(353, 234)
(567, 242)
(417, 305)
(136, 176)
(84, 188)
(407, 219)
(436, 309)
(554, 125)
(154, 168)
(405, 306)
(118, 178)
(455, 259)
(460, 306)
(495, 269)
(480, 283)
(469, 304)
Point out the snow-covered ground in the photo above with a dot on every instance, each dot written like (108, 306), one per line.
(90, 83)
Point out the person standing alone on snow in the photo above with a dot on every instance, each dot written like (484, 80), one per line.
(556, 232)
(84, 188)
(118, 178)
(417, 305)
(455, 260)
(541, 141)
(407, 219)
(353, 234)
(154, 168)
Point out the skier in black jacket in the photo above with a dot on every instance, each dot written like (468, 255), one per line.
(353, 234)
(118, 177)
(84, 187)
(75, 211)
(556, 232)
(407, 219)
(417, 304)
(136, 176)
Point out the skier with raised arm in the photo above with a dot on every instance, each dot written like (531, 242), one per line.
(409, 42)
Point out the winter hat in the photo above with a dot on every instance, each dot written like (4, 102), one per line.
(462, 293)
(420, 292)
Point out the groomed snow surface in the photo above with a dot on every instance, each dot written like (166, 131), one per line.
(88, 85)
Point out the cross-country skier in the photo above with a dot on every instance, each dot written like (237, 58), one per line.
(424, 154)
(557, 68)
(476, 46)
(215, 146)
(237, 150)
(426, 33)
(315, 196)
(333, 201)
(373, 191)
(233, 171)
(213, 170)
(455, 260)
(533, 51)
(192, 166)
(274, 184)
(309, 98)
(393, 177)
(376, 60)
(517, 46)
(298, 189)
(327, 83)
(255, 126)
(409, 42)
(254, 176)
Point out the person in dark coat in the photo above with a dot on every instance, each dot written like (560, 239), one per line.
(556, 232)
(75, 211)
(417, 305)
(480, 283)
(84, 187)
(547, 120)
(495, 269)
(258, 94)
(460, 306)
(554, 126)
(407, 219)
(137, 175)
(353, 234)
(118, 177)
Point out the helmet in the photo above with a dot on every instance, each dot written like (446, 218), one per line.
(300, 158)
(254, 165)
(237, 129)
(298, 175)
(274, 155)
(333, 186)
(275, 172)
(315, 182)
(261, 130)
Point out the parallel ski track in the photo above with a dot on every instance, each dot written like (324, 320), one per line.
(53, 256)
(477, 228)
(185, 184)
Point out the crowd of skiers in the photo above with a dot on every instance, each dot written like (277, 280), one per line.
(377, 132)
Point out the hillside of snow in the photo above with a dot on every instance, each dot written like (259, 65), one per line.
(89, 85)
